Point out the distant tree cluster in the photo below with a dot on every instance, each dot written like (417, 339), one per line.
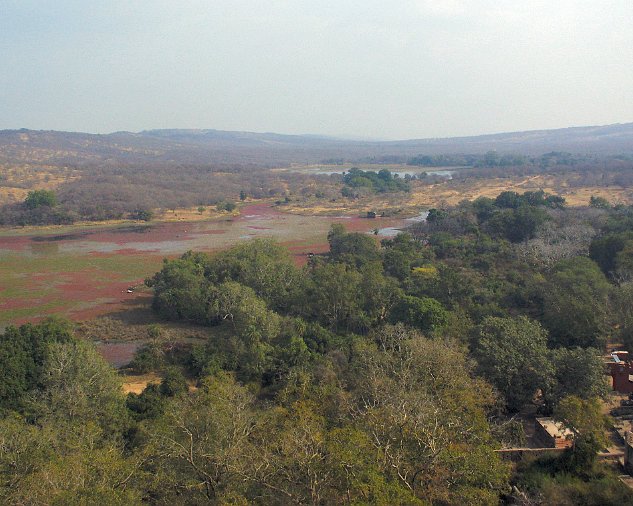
(488, 159)
(225, 206)
(492, 159)
(443, 160)
(515, 217)
(382, 181)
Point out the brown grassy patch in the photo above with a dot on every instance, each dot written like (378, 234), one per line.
(135, 384)
(452, 192)
(192, 214)
(17, 180)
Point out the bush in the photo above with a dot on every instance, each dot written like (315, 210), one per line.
(40, 198)
(148, 357)
(225, 206)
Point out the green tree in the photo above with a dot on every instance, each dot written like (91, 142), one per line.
(180, 288)
(331, 296)
(40, 198)
(578, 372)
(24, 352)
(575, 304)
(150, 403)
(436, 215)
(584, 418)
(225, 205)
(261, 264)
(605, 250)
(149, 357)
(79, 387)
(425, 314)
(142, 214)
(352, 248)
(518, 224)
(508, 199)
(512, 354)
(255, 327)
(378, 294)
(60, 465)
(204, 443)
(599, 202)
(401, 254)
(173, 383)
(426, 418)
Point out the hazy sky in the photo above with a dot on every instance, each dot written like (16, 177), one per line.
(380, 69)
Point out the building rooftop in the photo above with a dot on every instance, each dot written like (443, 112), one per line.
(554, 428)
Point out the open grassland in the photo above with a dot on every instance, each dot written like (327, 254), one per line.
(454, 191)
(451, 192)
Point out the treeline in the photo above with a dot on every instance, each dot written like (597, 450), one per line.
(102, 189)
(606, 171)
(492, 159)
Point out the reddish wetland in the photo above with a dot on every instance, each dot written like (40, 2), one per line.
(86, 272)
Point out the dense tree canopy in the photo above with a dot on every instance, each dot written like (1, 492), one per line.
(380, 182)
(512, 354)
(575, 304)
(377, 374)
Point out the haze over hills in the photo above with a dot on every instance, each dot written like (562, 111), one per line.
(191, 146)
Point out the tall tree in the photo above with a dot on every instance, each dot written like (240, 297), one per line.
(512, 354)
(575, 304)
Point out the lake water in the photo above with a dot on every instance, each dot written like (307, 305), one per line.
(259, 220)
(394, 231)
(448, 174)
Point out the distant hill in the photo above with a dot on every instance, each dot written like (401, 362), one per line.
(616, 138)
(184, 146)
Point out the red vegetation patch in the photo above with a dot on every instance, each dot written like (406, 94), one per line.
(210, 232)
(259, 211)
(14, 243)
(94, 290)
(123, 251)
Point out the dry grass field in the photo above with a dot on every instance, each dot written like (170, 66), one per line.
(452, 192)
(449, 193)
(17, 180)
(193, 214)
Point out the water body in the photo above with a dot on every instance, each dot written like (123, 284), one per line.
(448, 174)
(173, 238)
(394, 231)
